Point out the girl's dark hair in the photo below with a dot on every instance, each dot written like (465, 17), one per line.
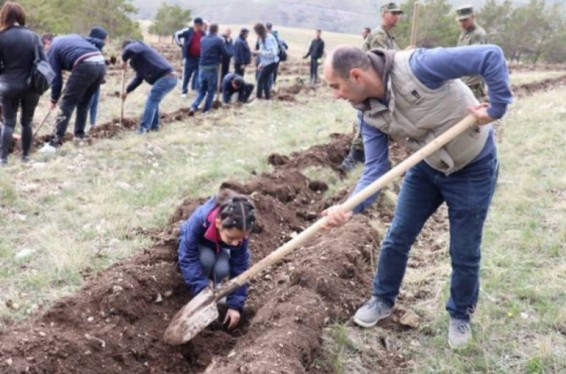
(236, 211)
(10, 14)
(261, 31)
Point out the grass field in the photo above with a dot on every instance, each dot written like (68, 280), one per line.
(65, 217)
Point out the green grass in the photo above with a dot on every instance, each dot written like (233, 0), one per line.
(520, 324)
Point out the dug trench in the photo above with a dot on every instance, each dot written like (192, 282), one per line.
(115, 323)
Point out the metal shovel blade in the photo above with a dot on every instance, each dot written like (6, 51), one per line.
(200, 312)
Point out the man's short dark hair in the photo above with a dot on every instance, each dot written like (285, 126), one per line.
(198, 21)
(213, 28)
(345, 58)
(47, 37)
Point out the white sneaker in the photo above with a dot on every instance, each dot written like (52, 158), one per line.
(48, 149)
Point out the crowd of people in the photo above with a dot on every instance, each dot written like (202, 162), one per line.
(428, 99)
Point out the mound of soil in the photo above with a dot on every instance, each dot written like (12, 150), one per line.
(534, 87)
(115, 323)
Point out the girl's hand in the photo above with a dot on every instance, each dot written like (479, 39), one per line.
(232, 318)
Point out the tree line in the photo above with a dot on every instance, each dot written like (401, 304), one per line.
(532, 32)
(78, 16)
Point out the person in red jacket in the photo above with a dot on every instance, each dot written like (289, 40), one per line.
(213, 245)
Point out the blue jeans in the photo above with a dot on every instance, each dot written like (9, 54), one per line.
(468, 194)
(215, 265)
(93, 106)
(265, 81)
(208, 80)
(190, 68)
(150, 117)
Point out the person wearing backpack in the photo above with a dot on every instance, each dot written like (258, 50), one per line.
(283, 47)
(269, 57)
(17, 56)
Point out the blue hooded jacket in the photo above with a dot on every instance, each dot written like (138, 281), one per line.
(148, 64)
(194, 234)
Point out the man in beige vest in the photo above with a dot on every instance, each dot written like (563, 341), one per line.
(415, 96)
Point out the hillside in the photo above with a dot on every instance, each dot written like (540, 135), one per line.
(331, 15)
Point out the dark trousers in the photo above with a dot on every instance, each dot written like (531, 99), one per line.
(83, 82)
(275, 71)
(11, 100)
(225, 67)
(190, 68)
(264, 81)
(314, 70)
(244, 93)
(239, 69)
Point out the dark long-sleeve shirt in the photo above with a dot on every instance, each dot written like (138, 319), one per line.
(433, 67)
(316, 49)
(65, 52)
(242, 53)
(16, 67)
(212, 50)
(148, 64)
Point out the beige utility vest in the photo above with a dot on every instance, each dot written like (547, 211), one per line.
(419, 114)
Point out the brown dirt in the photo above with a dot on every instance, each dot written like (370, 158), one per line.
(528, 89)
(115, 323)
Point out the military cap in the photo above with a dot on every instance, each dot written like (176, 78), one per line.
(391, 7)
(464, 12)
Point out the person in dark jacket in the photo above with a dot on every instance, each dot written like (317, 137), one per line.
(229, 44)
(87, 66)
(150, 66)
(234, 83)
(17, 53)
(242, 52)
(190, 47)
(316, 51)
(213, 245)
(213, 50)
(98, 37)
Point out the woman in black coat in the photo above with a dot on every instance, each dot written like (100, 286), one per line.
(17, 54)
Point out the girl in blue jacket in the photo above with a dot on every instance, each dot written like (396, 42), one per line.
(213, 244)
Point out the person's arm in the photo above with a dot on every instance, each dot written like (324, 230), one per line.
(321, 49)
(239, 263)
(377, 40)
(178, 35)
(433, 67)
(57, 83)
(239, 52)
(226, 95)
(189, 256)
(376, 149)
(309, 51)
(134, 83)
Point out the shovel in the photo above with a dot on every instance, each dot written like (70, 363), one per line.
(202, 309)
(41, 124)
(122, 96)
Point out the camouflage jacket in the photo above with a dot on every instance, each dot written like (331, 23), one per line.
(475, 36)
(379, 38)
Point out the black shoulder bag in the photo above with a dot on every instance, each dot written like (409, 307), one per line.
(41, 74)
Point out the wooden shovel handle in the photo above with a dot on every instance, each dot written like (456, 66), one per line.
(122, 95)
(349, 205)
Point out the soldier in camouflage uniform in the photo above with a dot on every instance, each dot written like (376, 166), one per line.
(380, 37)
(471, 34)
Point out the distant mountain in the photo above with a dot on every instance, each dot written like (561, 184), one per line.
(331, 15)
